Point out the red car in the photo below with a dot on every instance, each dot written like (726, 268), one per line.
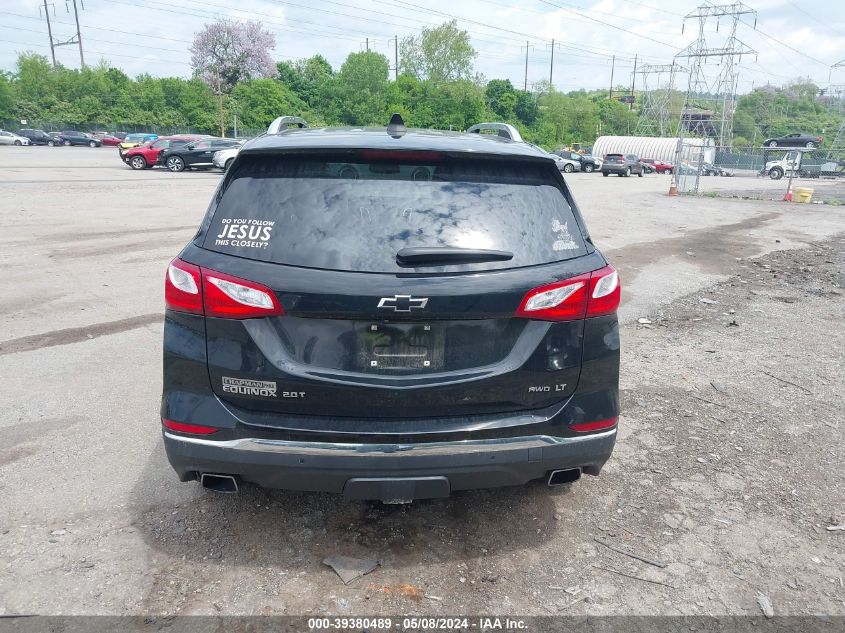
(107, 139)
(146, 155)
(658, 165)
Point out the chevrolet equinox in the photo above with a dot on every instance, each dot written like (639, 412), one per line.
(390, 314)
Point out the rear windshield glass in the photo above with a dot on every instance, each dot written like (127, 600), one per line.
(345, 215)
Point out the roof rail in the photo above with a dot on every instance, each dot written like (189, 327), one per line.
(282, 123)
(505, 130)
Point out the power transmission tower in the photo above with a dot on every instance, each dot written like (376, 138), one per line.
(656, 115)
(713, 92)
(76, 39)
(50, 29)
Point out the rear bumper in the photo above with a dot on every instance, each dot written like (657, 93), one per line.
(373, 471)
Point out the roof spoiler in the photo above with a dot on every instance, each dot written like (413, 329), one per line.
(505, 130)
(282, 123)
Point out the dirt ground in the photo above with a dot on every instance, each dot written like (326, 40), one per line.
(727, 476)
(720, 496)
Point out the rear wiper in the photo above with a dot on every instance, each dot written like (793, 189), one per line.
(440, 255)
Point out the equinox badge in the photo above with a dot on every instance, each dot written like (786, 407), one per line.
(402, 303)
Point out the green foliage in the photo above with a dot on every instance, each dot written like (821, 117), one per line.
(262, 100)
(437, 88)
(440, 54)
(770, 111)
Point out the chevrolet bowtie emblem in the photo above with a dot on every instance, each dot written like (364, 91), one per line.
(402, 303)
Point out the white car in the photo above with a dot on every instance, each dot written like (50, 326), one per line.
(8, 138)
(223, 158)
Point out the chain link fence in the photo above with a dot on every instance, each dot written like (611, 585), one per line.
(695, 165)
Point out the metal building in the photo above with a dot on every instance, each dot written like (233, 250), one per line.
(657, 147)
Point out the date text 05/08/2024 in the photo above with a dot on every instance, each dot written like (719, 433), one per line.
(421, 623)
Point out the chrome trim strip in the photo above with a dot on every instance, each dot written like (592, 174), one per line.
(375, 450)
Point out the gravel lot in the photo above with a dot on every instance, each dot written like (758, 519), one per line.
(727, 475)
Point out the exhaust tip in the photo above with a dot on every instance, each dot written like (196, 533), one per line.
(219, 483)
(565, 476)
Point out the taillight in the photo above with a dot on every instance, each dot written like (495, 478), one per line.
(231, 297)
(599, 425)
(605, 292)
(592, 294)
(182, 287)
(184, 427)
(189, 288)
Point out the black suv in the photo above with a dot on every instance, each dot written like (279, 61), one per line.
(72, 137)
(195, 154)
(37, 137)
(390, 315)
(622, 165)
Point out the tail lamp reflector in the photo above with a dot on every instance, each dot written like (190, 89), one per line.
(599, 425)
(189, 288)
(184, 427)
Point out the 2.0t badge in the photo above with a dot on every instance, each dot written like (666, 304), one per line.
(402, 303)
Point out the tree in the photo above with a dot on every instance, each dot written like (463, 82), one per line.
(262, 100)
(501, 99)
(227, 52)
(357, 95)
(439, 54)
(306, 77)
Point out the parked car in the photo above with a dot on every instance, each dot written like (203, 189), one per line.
(108, 140)
(566, 165)
(146, 155)
(197, 154)
(224, 158)
(709, 169)
(326, 331)
(658, 165)
(72, 137)
(10, 138)
(622, 165)
(37, 137)
(809, 141)
(134, 140)
(587, 163)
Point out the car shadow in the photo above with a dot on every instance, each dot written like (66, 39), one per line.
(259, 527)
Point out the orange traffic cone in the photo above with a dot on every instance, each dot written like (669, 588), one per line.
(787, 197)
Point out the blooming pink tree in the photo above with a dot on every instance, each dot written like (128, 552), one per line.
(229, 51)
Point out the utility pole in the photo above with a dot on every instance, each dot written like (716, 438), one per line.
(395, 57)
(78, 35)
(527, 48)
(552, 64)
(633, 80)
(50, 31)
(612, 68)
(367, 42)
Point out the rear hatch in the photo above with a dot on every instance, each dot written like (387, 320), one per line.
(400, 276)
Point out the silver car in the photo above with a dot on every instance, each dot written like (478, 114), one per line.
(566, 165)
(223, 158)
(9, 138)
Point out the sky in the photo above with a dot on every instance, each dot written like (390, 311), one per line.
(798, 38)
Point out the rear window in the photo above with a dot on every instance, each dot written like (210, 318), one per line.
(356, 215)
